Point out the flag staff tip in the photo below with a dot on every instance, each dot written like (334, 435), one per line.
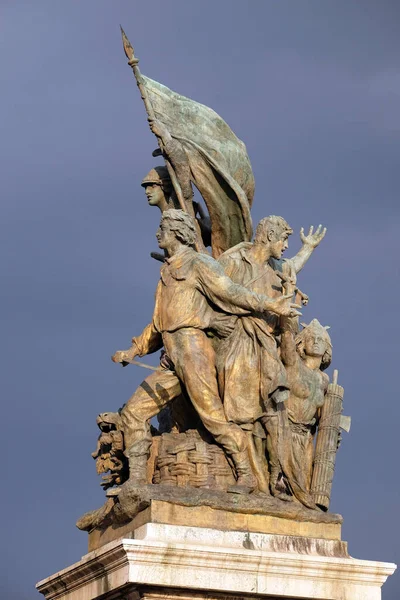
(128, 49)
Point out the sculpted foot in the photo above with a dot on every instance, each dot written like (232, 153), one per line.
(243, 488)
(137, 469)
(246, 480)
(283, 496)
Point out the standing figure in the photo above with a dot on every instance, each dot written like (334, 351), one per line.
(192, 287)
(253, 380)
(305, 356)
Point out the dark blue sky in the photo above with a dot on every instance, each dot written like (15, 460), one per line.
(313, 88)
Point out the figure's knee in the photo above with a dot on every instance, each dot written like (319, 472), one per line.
(137, 409)
(230, 436)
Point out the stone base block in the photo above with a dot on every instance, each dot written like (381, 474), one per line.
(181, 563)
(212, 518)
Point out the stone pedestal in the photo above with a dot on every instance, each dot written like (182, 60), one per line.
(322, 526)
(178, 562)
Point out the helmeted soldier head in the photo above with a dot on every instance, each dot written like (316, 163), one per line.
(158, 188)
(157, 176)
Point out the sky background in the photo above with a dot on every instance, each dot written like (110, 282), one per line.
(313, 89)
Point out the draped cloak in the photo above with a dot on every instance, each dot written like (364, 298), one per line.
(249, 366)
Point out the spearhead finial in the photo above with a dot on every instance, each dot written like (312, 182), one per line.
(128, 49)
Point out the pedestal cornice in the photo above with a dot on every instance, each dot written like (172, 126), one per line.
(141, 562)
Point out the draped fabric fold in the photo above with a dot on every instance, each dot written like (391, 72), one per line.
(219, 164)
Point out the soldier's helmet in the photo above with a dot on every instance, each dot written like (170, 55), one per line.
(159, 176)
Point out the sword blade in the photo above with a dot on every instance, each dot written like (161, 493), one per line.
(143, 365)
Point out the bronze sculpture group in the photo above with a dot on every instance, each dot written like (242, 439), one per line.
(241, 389)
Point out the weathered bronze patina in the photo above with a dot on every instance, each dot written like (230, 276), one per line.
(241, 390)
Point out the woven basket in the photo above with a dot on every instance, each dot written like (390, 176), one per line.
(186, 459)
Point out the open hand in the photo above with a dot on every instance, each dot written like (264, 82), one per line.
(283, 307)
(312, 239)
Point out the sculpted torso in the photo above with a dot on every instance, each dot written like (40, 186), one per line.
(307, 392)
(305, 356)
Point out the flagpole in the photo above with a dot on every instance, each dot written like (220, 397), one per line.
(133, 62)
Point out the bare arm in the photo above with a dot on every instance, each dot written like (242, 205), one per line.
(178, 159)
(176, 155)
(310, 242)
(288, 346)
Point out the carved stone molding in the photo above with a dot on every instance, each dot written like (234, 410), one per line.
(208, 568)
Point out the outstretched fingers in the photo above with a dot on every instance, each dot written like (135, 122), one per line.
(292, 305)
(313, 238)
(320, 232)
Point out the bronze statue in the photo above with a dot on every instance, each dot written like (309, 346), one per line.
(305, 356)
(160, 190)
(109, 453)
(208, 154)
(252, 376)
(191, 288)
(239, 390)
(176, 155)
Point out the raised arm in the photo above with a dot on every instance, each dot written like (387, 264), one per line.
(310, 242)
(177, 157)
(289, 354)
